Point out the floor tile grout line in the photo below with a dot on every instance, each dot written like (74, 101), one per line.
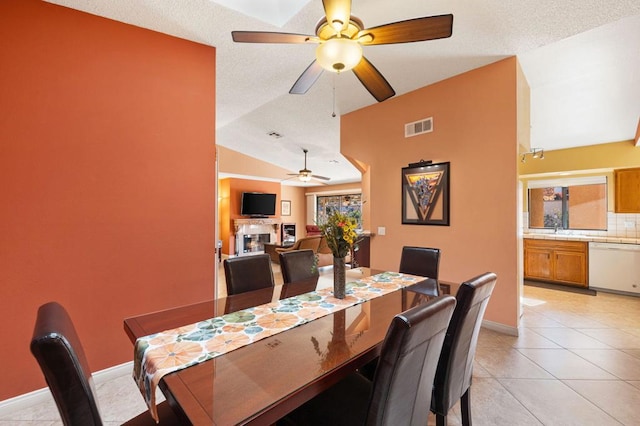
(593, 402)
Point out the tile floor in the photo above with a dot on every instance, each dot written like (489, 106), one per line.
(576, 362)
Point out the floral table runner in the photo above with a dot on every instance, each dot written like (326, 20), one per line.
(168, 351)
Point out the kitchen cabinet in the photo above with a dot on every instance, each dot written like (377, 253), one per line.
(563, 262)
(627, 190)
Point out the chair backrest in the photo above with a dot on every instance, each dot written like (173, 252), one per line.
(299, 266)
(455, 366)
(247, 273)
(422, 261)
(309, 243)
(404, 377)
(56, 347)
(323, 247)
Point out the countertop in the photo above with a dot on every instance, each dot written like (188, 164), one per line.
(580, 237)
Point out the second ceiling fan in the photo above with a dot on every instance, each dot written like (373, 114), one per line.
(304, 175)
(341, 36)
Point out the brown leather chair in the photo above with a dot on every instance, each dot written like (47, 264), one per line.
(455, 367)
(422, 261)
(402, 382)
(56, 347)
(299, 266)
(248, 273)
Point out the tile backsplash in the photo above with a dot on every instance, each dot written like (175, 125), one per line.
(620, 225)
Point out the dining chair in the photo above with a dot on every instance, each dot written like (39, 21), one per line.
(299, 266)
(424, 262)
(455, 367)
(57, 348)
(247, 273)
(241, 301)
(402, 383)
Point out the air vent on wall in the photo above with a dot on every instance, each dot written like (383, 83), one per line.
(418, 127)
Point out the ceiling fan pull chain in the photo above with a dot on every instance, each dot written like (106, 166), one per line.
(333, 113)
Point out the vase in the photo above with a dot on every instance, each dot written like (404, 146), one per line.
(339, 277)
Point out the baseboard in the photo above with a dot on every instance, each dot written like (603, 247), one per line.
(561, 287)
(612, 291)
(500, 328)
(24, 401)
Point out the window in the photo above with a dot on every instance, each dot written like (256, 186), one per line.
(578, 203)
(350, 204)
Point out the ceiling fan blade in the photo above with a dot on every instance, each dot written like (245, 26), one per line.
(269, 37)
(337, 10)
(419, 29)
(320, 177)
(306, 79)
(373, 81)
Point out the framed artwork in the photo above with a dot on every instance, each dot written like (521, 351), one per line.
(286, 208)
(425, 194)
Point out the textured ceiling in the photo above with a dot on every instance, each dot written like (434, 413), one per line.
(581, 58)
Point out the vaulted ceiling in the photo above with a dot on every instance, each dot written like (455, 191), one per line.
(580, 57)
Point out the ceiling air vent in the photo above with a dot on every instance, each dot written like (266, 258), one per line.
(418, 127)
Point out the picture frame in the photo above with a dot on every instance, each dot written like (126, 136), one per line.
(425, 194)
(285, 208)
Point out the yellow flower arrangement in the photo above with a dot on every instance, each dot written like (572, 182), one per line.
(340, 233)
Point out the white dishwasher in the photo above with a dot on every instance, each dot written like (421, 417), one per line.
(614, 267)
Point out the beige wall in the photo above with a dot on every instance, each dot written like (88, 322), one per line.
(476, 129)
(524, 112)
(241, 165)
(295, 194)
(615, 155)
(586, 161)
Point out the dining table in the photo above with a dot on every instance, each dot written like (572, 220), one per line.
(263, 381)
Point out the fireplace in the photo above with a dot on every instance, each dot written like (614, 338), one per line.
(252, 234)
(254, 243)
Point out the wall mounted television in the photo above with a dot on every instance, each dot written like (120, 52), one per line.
(257, 204)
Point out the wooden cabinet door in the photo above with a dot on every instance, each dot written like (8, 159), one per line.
(570, 267)
(537, 263)
(627, 193)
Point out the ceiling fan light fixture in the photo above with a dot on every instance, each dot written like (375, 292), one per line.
(337, 25)
(339, 54)
(304, 177)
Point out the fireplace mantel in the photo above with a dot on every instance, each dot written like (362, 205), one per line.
(239, 223)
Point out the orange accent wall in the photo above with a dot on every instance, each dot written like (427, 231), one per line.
(231, 190)
(475, 129)
(107, 138)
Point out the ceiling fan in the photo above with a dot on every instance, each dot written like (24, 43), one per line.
(340, 36)
(304, 175)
